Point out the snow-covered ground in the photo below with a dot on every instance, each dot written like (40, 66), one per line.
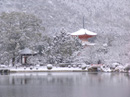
(83, 67)
(44, 69)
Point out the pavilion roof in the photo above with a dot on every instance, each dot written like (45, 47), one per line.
(26, 51)
(83, 32)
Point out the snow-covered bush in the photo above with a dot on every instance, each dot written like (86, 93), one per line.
(79, 66)
(18, 30)
(31, 67)
(74, 66)
(109, 48)
(60, 48)
(114, 65)
(119, 68)
(49, 66)
(83, 66)
(127, 67)
(63, 64)
(69, 66)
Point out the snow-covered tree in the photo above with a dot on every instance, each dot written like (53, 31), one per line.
(19, 30)
(109, 48)
(59, 49)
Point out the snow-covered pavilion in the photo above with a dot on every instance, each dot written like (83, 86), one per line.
(83, 35)
(25, 53)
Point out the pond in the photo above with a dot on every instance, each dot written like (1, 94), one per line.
(70, 84)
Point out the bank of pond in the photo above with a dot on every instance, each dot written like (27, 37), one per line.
(67, 68)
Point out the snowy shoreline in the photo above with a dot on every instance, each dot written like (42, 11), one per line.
(54, 69)
(73, 68)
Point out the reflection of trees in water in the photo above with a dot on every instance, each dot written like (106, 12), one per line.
(60, 79)
(119, 77)
(94, 78)
(14, 80)
(40, 79)
(62, 84)
(68, 79)
(113, 78)
(47, 79)
(127, 75)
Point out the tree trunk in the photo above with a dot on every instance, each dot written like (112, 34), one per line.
(13, 61)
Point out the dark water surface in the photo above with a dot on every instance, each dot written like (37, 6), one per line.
(65, 85)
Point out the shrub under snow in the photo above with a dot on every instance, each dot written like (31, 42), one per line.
(49, 66)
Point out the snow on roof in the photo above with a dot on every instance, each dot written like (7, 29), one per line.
(83, 31)
(26, 51)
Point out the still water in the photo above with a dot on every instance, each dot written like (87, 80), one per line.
(81, 84)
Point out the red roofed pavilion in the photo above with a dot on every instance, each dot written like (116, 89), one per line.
(83, 35)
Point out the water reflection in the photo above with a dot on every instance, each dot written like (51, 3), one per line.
(65, 85)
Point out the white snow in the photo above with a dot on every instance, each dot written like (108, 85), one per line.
(106, 69)
(44, 69)
(83, 32)
(63, 69)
